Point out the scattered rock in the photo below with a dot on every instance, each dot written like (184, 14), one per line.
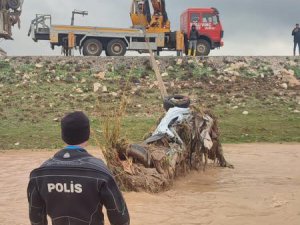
(171, 68)
(100, 75)
(237, 66)
(26, 77)
(38, 65)
(179, 61)
(56, 120)
(114, 94)
(288, 76)
(296, 111)
(190, 61)
(200, 64)
(284, 86)
(245, 113)
(155, 83)
(298, 99)
(227, 79)
(79, 90)
(17, 144)
(104, 89)
(235, 107)
(164, 74)
(292, 63)
(97, 87)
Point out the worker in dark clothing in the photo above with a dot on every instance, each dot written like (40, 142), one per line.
(73, 186)
(194, 35)
(296, 34)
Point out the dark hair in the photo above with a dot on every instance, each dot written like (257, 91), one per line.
(297, 24)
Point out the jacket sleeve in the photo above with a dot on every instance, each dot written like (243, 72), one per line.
(114, 203)
(37, 209)
(293, 33)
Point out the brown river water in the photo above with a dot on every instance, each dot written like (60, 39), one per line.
(263, 189)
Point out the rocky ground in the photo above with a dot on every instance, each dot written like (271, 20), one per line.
(256, 98)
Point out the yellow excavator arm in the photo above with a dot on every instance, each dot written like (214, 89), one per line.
(141, 16)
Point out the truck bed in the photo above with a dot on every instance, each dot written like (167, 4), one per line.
(84, 29)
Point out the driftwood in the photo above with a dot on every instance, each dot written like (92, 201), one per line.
(153, 165)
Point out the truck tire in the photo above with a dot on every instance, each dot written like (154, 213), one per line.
(92, 47)
(116, 47)
(203, 48)
(13, 4)
(179, 101)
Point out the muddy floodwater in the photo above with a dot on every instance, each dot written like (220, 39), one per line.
(263, 189)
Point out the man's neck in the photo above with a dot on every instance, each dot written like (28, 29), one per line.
(83, 145)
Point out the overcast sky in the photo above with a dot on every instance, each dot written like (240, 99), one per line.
(252, 27)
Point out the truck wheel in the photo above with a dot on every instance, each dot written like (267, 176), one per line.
(203, 48)
(116, 47)
(92, 47)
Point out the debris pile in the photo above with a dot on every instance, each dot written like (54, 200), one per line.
(184, 140)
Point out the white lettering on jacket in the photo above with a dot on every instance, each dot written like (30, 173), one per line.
(65, 187)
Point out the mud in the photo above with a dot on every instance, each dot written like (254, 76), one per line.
(262, 189)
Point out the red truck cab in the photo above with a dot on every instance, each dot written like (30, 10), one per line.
(208, 24)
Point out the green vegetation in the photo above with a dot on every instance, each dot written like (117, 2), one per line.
(297, 71)
(264, 123)
(33, 99)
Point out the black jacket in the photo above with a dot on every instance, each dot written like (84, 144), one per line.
(194, 34)
(72, 189)
(296, 34)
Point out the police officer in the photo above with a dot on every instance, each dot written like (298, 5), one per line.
(73, 186)
(296, 34)
(194, 34)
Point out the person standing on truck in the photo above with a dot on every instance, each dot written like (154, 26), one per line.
(296, 34)
(194, 35)
(73, 186)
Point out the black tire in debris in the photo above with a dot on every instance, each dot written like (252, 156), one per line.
(92, 47)
(116, 47)
(203, 48)
(176, 101)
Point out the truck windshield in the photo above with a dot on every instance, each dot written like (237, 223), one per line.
(210, 18)
(195, 17)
